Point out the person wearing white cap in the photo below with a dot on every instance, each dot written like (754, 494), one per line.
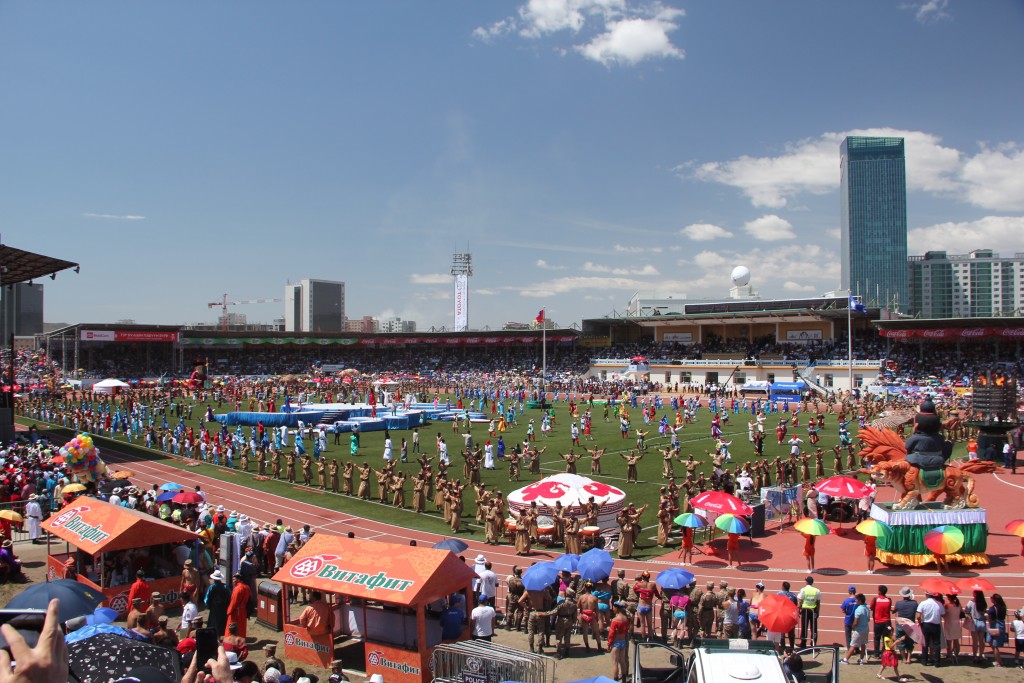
(244, 527)
(115, 497)
(217, 598)
(478, 567)
(376, 678)
(34, 517)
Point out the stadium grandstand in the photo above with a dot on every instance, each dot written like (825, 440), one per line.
(741, 344)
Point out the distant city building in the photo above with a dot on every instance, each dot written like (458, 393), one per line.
(394, 324)
(22, 311)
(232, 320)
(975, 285)
(314, 306)
(513, 326)
(367, 324)
(873, 221)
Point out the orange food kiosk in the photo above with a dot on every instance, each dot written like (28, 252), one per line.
(99, 530)
(389, 596)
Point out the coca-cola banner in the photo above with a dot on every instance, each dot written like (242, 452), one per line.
(952, 334)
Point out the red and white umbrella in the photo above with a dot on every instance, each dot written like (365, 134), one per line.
(720, 502)
(843, 487)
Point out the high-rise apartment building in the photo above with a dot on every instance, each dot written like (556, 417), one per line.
(873, 200)
(978, 284)
(314, 306)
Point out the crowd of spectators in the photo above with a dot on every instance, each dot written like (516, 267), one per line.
(903, 363)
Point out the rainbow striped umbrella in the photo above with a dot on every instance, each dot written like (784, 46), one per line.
(691, 520)
(1016, 527)
(944, 540)
(812, 527)
(874, 527)
(731, 524)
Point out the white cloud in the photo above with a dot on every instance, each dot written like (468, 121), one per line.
(626, 249)
(599, 268)
(704, 232)
(115, 217)
(835, 233)
(1001, 234)
(631, 41)
(430, 279)
(613, 31)
(710, 259)
(544, 265)
(995, 178)
(929, 11)
(483, 291)
(572, 284)
(540, 17)
(770, 228)
(817, 268)
(812, 166)
(791, 286)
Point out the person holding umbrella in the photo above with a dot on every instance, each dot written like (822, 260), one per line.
(809, 551)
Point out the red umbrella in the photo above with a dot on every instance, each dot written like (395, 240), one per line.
(975, 583)
(187, 498)
(940, 585)
(843, 487)
(720, 502)
(778, 614)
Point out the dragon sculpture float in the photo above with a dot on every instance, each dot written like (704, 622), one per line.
(918, 469)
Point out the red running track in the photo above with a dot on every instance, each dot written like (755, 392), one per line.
(777, 558)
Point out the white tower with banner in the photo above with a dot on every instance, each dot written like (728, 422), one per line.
(462, 268)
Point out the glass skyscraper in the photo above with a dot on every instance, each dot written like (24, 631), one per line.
(873, 198)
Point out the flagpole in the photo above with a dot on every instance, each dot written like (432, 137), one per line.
(849, 341)
(544, 351)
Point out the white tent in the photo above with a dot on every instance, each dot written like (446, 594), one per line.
(109, 386)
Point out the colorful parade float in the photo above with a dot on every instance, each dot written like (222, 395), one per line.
(935, 496)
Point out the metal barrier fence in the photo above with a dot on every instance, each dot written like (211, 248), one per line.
(17, 531)
(479, 661)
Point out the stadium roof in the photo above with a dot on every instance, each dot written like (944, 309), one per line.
(18, 265)
(749, 311)
(947, 323)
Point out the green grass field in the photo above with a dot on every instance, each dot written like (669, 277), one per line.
(695, 439)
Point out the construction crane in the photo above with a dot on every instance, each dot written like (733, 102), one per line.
(224, 303)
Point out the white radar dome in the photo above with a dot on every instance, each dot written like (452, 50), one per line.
(740, 276)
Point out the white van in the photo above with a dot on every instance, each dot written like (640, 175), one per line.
(729, 661)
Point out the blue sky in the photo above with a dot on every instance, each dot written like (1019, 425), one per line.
(581, 150)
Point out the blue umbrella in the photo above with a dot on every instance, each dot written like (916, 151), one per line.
(595, 564)
(102, 615)
(453, 544)
(171, 486)
(76, 599)
(95, 630)
(540, 576)
(674, 578)
(567, 562)
(166, 496)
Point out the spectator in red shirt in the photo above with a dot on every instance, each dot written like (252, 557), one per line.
(141, 590)
(881, 614)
